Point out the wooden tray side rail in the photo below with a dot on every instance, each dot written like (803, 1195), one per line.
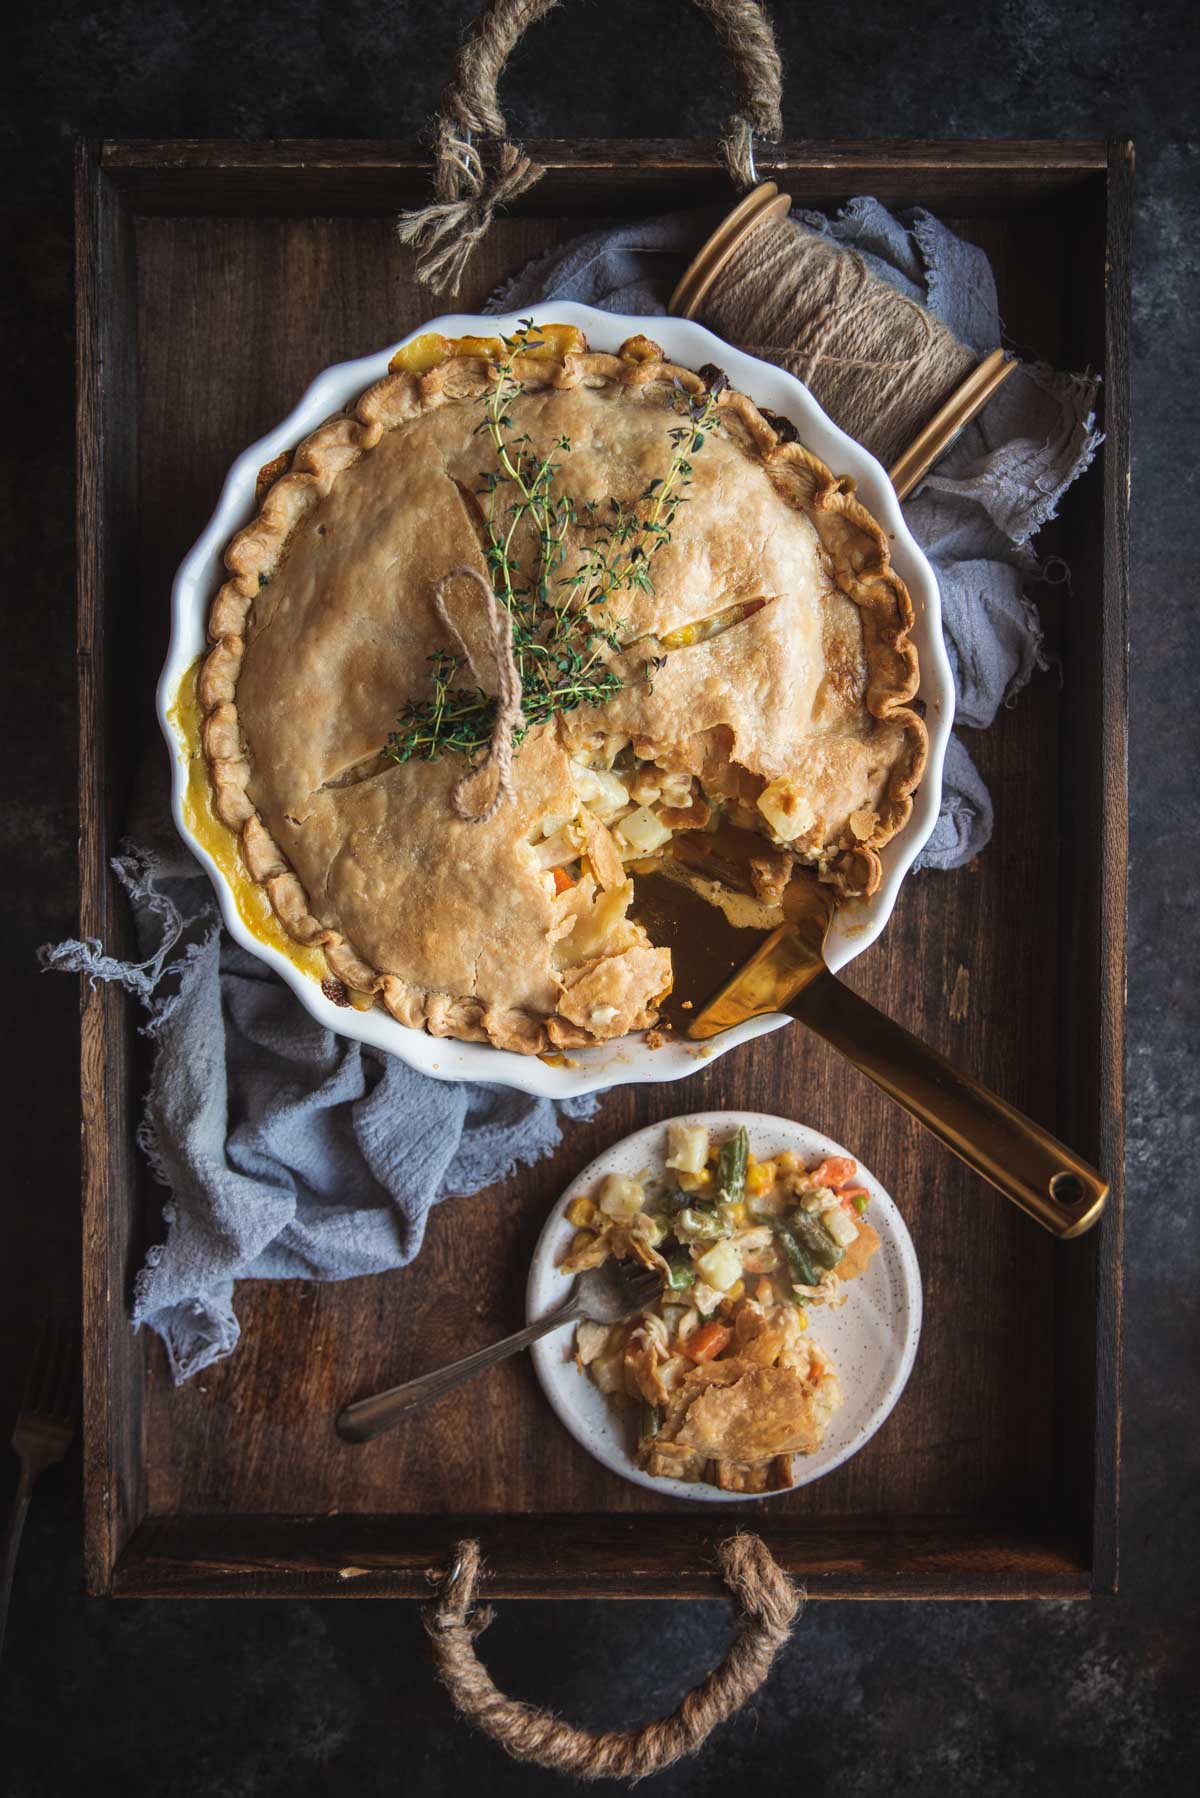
(235, 1485)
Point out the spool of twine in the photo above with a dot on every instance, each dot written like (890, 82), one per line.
(876, 361)
(766, 1604)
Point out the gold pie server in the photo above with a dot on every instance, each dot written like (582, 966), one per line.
(725, 975)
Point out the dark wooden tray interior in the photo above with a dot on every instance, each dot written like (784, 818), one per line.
(214, 283)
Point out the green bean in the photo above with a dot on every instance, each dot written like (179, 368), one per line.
(802, 1270)
(680, 1272)
(731, 1165)
(816, 1240)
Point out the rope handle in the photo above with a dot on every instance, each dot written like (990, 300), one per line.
(766, 1604)
(468, 190)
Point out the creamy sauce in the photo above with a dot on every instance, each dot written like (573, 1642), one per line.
(254, 907)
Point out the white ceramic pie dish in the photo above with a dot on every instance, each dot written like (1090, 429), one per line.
(855, 926)
(872, 1338)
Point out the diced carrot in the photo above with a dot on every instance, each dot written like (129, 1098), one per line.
(706, 1343)
(834, 1171)
(562, 881)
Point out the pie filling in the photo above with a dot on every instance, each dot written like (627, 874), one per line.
(754, 667)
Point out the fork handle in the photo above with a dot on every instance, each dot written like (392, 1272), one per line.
(12, 1540)
(1056, 1187)
(370, 1417)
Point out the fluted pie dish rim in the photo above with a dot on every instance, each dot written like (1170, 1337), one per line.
(628, 1058)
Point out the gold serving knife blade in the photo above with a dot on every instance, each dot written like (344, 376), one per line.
(725, 976)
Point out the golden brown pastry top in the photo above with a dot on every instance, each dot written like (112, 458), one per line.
(326, 624)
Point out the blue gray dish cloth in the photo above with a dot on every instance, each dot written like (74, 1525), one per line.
(974, 515)
(291, 1153)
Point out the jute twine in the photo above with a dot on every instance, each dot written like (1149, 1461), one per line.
(875, 360)
(499, 753)
(469, 184)
(766, 1604)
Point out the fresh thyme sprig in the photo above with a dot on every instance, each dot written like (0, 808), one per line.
(562, 621)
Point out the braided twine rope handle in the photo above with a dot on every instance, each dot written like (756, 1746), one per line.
(469, 188)
(766, 1604)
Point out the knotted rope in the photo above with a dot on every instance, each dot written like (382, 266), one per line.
(468, 189)
(766, 1606)
(499, 753)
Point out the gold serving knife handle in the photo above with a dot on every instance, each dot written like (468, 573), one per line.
(1053, 1185)
(784, 970)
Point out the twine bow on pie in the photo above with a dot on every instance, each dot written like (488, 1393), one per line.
(499, 753)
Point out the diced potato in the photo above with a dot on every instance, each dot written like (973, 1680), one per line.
(644, 788)
(608, 1371)
(720, 1266)
(766, 1204)
(687, 1147)
(642, 832)
(591, 1339)
(676, 788)
(558, 850)
(705, 1298)
(840, 1225)
(603, 793)
(621, 1198)
(787, 810)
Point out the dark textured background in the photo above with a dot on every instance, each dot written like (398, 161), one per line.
(228, 1700)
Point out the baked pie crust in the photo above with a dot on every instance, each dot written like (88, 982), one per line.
(782, 698)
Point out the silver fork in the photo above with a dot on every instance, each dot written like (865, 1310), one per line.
(607, 1293)
(42, 1434)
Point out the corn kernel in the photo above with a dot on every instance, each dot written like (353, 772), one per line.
(735, 1214)
(581, 1210)
(737, 1291)
(759, 1175)
(802, 1318)
(694, 1182)
(582, 1239)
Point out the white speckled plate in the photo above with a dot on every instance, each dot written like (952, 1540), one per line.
(872, 1338)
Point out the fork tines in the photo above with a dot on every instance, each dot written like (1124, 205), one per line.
(52, 1388)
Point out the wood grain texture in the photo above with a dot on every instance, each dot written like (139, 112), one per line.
(114, 1469)
(584, 176)
(586, 1557)
(1007, 966)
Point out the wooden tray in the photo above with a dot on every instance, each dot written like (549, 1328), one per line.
(214, 281)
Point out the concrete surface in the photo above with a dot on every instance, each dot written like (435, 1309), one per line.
(226, 1701)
